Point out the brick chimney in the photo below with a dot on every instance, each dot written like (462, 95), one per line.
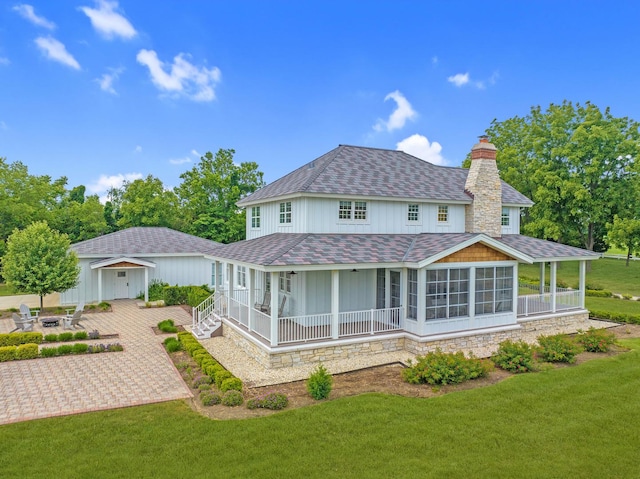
(484, 214)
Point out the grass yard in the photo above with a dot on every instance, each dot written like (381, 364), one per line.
(5, 290)
(606, 273)
(573, 422)
(613, 305)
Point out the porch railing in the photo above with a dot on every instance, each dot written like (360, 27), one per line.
(542, 303)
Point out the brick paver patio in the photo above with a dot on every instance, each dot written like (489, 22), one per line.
(141, 374)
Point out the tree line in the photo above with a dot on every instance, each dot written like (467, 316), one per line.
(204, 204)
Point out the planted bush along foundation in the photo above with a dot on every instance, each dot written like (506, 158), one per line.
(482, 345)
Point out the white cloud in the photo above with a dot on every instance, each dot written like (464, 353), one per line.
(399, 116)
(138, 149)
(195, 153)
(180, 161)
(459, 79)
(107, 79)
(4, 61)
(27, 11)
(196, 83)
(56, 51)
(105, 182)
(494, 77)
(107, 22)
(420, 147)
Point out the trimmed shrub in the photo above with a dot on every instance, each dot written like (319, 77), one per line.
(80, 348)
(27, 351)
(598, 293)
(156, 288)
(167, 326)
(438, 368)
(64, 337)
(319, 383)
(514, 356)
(80, 335)
(558, 349)
(273, 401)
(221, 376)
(64, 349)
(212, 371)
(15, 339)
(51, 338)
(174, 295)
(7, 353)
(616, 317)
(48, 352)
(596, 340)
(231, 384)
(232, 398)
(196, 295)
(209, 398)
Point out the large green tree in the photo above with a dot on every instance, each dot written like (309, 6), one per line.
(146, 202)
(79, 217)
(574, 162)
(209, 193)
(38, 261)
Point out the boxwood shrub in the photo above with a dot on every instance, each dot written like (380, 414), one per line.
(167, 326)
(616, 317)
(231, 384)
(27, 351)
(15, 339)
(7, 353)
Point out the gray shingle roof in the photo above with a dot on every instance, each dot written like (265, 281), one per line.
(145, 241)
(360, 171)
(304, 249)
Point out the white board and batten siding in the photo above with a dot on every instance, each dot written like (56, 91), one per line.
(320, 216)
(175, 270)
(513, 228)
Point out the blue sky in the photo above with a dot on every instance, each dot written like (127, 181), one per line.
(101, 91)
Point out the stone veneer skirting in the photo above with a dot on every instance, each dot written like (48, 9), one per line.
(482, 343)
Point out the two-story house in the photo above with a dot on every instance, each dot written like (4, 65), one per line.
(365, 250)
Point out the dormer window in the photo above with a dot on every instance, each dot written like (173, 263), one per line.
(285, 213)
(255, 217)
(443, 214)
(352, 211)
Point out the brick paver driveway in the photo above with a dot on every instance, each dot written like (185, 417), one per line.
(141, 374)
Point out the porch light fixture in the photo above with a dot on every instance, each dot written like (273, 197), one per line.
(292, 272)
(354, 270)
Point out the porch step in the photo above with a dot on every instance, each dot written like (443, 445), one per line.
(208, 328)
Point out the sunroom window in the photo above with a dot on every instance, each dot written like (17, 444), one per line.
(447, 293)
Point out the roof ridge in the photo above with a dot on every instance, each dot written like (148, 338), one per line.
(320, 170)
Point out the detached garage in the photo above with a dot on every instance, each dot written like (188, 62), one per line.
(122, 264)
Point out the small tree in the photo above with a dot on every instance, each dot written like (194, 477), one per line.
(625, 233)
(38, 261)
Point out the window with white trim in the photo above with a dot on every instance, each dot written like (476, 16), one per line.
(255, 217)
(506, 217)
(242, 276)
(413, 213)
(412, 293)
(285, 282)
(494, 289)
(352, 210)
(216, 273)
(443, 213)
(285, 213)
(447, 293)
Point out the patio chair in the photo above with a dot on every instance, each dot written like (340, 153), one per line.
(22, 324)
(265, 306)
(26, 313)
(73, 320)
(79, 307)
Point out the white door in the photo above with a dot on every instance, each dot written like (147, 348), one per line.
(122, 285)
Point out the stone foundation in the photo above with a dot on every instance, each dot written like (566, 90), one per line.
(481, 344)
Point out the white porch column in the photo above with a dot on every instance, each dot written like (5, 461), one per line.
(99, 285)
(543, 270)
(583, 282)
(552, 286)
(516, 289)
(421, 315)
(335, 304)
(472, 292)
(387, 288)
(146, 284)
(251, 277)
(230, 275)
(275, 287)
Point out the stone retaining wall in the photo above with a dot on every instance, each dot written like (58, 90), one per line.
(480, 344)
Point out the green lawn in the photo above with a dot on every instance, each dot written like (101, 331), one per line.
(612, 305)
(576, 422)
(5, 290)
(606, 273)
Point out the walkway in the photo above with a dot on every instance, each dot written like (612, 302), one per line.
(141, 374)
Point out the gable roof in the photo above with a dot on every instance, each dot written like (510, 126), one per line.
(309, 249)
(144, 241)
(361, 171)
